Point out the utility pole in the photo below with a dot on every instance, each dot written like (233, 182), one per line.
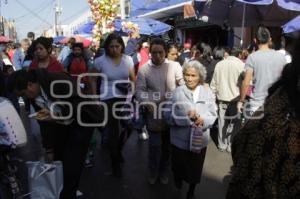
(122, 8)
(1, 20)
(57, 25)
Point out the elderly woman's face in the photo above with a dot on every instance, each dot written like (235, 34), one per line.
(191, 78)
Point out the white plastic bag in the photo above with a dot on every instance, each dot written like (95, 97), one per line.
(12, 131)
(45, 180)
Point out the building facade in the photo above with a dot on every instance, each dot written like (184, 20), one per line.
(7, 28)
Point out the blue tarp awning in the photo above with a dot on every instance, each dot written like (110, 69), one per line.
(141, 7)
(292, 26)
(86, 28)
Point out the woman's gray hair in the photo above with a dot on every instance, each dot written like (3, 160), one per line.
(196, 65)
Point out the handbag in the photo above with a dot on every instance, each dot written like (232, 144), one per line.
(45, 180)
(123, 87)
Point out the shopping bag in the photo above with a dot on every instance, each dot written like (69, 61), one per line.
(45, 180)
(12, 131)
(198, 139)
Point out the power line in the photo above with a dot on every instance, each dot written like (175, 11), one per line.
(42, 26)
(38, 9)
(33, 13)
(73, 15)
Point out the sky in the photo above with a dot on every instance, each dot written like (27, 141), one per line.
(36, 15)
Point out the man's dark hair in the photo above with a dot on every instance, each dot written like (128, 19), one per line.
(30, 35)
(19, 80)
(235, 51)
(205, 51)
(78, 45)
(159, 41)
(30, 51)
(263, 35)
(109, 39)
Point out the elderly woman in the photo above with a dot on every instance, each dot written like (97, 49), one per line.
(193, 104)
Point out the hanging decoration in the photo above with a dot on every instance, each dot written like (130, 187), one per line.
(103, 13)
(130, 27)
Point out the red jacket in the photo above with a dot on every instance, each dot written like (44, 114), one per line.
(54, 65)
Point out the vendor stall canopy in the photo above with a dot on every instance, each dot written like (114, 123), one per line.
(240, 13)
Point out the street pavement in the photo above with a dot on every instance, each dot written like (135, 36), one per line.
(97, 183)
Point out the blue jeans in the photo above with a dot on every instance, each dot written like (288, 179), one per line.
(159, 152)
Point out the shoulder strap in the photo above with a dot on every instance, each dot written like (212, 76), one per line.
(166, 78)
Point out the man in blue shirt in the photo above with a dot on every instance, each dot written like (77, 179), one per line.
(66, 51)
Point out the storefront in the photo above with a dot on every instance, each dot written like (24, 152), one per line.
(195, 31)
(189, 29)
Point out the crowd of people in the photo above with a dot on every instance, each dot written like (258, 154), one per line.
(174, 92)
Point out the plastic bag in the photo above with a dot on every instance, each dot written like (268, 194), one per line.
(198, 139)
(12, 131)
(45, 180)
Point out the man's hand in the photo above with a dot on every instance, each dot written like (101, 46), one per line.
(240, 106)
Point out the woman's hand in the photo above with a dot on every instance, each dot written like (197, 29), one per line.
(199, 121)
(45, 115)
(192, 114)
(194, 117)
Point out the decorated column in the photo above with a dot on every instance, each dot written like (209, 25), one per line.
(103, 13)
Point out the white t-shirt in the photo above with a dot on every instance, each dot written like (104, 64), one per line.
(113, 73)
(267, 66)
(196, 93)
